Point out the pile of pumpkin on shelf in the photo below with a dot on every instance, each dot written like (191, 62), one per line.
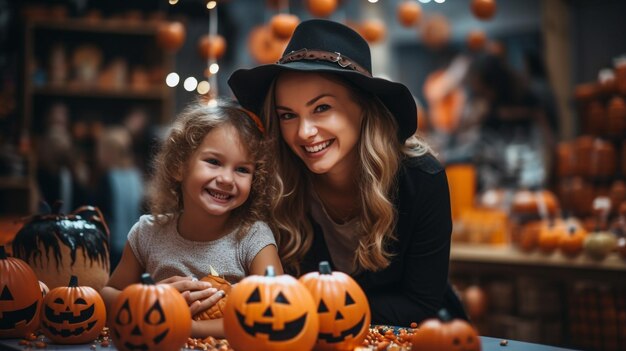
(50, 286)
(541, 227)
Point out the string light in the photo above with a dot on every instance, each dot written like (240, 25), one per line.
(172, 79)
(203, 87)
(424, 1)
(190, 84)
(214, 68)
(373, 1)
(440, 1)
(173, 2)
(211, 5)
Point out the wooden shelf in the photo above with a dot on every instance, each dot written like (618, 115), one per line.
(106, 26)
(14, 183)
(156, 93)
(506, 260)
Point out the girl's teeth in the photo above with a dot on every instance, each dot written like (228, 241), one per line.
(317, 148)
(219, 196)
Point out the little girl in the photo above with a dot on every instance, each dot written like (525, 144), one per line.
(207, 203)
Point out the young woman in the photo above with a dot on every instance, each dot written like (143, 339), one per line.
(359, 189)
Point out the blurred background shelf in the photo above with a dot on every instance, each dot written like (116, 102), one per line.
(101, 93)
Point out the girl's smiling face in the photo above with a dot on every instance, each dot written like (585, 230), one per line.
(319, 120)
(218, 175)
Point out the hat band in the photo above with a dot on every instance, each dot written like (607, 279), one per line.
(321, 55)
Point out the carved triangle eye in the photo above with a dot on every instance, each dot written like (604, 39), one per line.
(6, 294)
(281, 299)
(155, 314)
(255, 297)
(124, 317)
(349, 300)
(322, 307)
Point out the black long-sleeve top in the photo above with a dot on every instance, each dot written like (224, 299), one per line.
(414, 286)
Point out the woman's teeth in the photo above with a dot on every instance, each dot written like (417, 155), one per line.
(318, 147)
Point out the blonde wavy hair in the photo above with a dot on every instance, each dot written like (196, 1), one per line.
(380, 153)
(186, 134)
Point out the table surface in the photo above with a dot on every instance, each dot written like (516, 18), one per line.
(488, 344)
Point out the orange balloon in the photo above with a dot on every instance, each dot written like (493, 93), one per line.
(284, 24)
(171, 36)
(322, 8)
(211, 46)
(409, 13)
(483, 9)
(373, 30)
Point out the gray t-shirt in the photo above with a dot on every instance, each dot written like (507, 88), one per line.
(164, 253)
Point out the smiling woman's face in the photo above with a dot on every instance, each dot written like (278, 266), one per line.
(319, 121)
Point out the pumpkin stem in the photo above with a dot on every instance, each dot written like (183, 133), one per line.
(325, 268)
(73, 281)
(269, 271)
(147, 279)
(3, 253)
(444, 315)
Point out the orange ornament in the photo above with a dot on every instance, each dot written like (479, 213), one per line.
(322, 8)
(436, 31)
(476, 40)
(409, 13)
(475, 300)
(284, 24)
(483, 9)
(171, 36)
(372, 30)
(211, 46)
(264, 46)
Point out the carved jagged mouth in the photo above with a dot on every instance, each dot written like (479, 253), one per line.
(129, 345)
(11, 318)
(67, 332)
(68, 315)
(354, 331)
(290, 331)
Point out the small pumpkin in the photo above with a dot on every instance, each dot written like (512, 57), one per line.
(217, 310)
(598, 245)
(57, 246)
(283, 25)
(73, 314)
(445, 334)
(322, 8)
(20, 297)
(483, 9)
(149, 317)
(342, 307)
(571, 242)
(270, 312)
(550, 235)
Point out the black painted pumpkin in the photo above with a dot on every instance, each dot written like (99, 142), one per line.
(20, 297)
(342, 307)
(57, 246)
(149, 317)
(73, 314)
(270, 313)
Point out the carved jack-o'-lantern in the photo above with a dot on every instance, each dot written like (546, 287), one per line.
(342, 307)
(149, 317)
(58, 246)
(217, 310)
(270, 312)
(20, 297)
(73, 314)
(446, 334)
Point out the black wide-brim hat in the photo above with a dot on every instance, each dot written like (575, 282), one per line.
(329, 47)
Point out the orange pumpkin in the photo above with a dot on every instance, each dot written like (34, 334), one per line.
(372, 30)
(483, 9)
(20, 297)
(171, 36)
(529, 236)
(409, 13)
(342, 307)
(475, 301)
(476, 40)
(445, 334)
(550, 235)
(57, 246)
(73, 314)
(270, 312)
(149, 317)
(283, 25)
(211, 46)
(571, 242)
(216, 311)
(321, 8)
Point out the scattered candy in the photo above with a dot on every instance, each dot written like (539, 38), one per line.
(504, 342)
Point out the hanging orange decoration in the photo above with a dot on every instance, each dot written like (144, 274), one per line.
(171, 36)
(283, 25)
(483, 9)
(373, 30)
(476, 40)
(321, 8)
(409, 13)
(211, 46)
(264, 46)
(436, 31)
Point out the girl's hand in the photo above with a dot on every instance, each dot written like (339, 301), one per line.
(192, 289)
(203, 304)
